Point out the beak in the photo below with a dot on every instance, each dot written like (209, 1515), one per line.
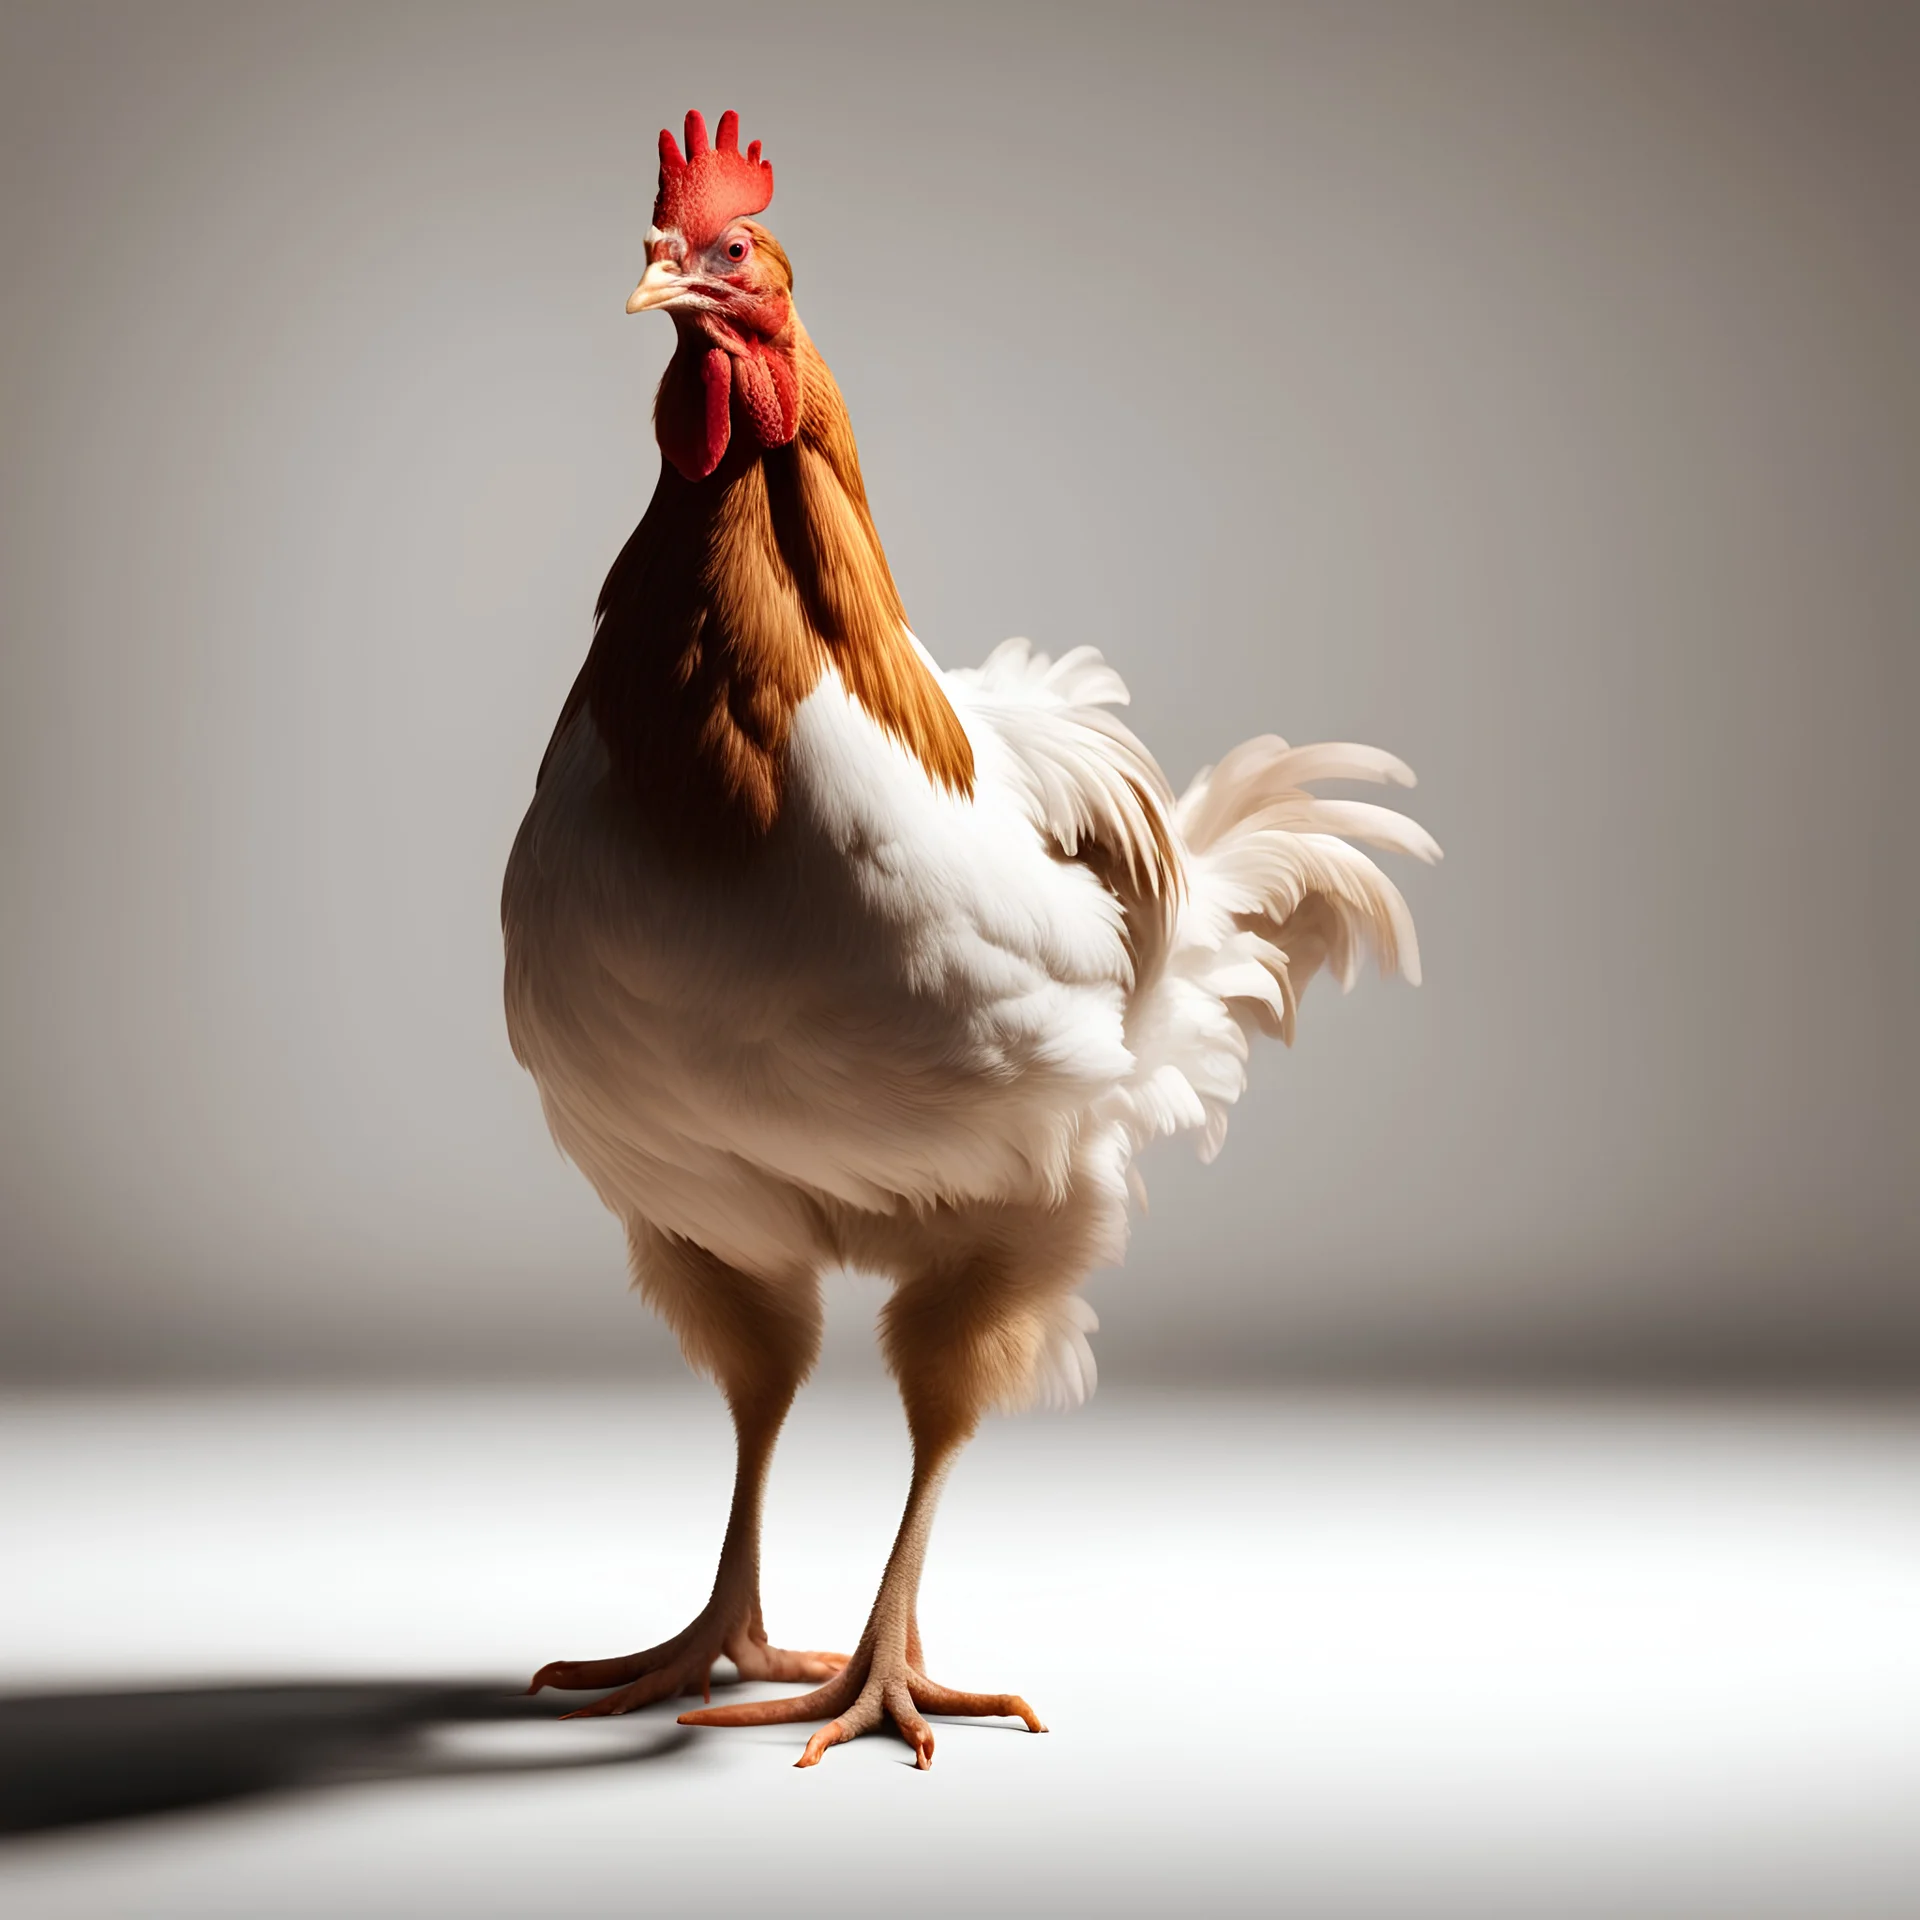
(660, 285)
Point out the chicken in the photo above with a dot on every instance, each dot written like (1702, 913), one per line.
(820, 955)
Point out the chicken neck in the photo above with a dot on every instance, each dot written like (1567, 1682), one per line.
(736, 594)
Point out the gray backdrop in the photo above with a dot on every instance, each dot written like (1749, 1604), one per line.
(1529, 390)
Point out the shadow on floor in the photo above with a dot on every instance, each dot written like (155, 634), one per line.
(73, 1759)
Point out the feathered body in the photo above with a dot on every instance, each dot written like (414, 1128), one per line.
(822, 955)
(854, 1009)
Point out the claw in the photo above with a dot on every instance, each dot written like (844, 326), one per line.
(867, 1690)
(906, 1716)
(829, 1736)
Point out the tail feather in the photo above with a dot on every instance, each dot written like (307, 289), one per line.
(1315, 898)
(1276, 892)
(1235, 895)
(1351, 819)
(1266, 772)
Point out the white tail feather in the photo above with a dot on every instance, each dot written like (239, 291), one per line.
(1236, 894)
(1275, 892)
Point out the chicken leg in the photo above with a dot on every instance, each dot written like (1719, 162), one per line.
(948, 1363)
(884, 1678)
(759, 1339)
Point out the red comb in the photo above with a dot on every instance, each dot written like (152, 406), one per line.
(710, 185)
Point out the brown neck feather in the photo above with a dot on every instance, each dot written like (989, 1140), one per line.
(732, 597)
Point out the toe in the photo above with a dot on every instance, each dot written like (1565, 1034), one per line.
(641, 1693)
(861, 1717)
(938, 1699)
(907, 1718)
(777, 1663)
(830, 1735)
(817, 1705)
(582, 1676)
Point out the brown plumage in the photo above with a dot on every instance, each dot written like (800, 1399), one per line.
(728, 602)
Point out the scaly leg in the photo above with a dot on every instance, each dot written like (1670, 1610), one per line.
(884, 1678)
(760, 1340)
(948, 1346)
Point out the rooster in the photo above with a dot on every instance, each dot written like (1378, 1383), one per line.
(820, 955)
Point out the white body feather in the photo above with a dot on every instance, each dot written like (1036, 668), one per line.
(913, 1021)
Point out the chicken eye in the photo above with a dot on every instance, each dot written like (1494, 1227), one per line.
(736, 249)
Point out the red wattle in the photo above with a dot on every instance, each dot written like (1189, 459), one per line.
(694, 416)
(769, 395)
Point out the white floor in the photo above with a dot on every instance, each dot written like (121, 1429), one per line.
(1312, 1656)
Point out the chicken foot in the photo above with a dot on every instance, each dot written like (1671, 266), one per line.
(728, 1626)
(684, 1664)
(884, 1678)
